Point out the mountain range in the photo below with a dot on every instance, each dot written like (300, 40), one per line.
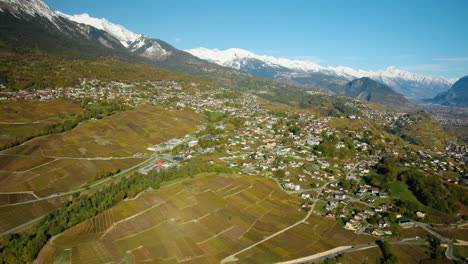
(412, 85)
(33, 24)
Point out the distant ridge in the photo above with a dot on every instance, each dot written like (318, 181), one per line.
(457, 95)
(370, 90)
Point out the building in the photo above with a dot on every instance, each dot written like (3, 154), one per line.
(405, 223)
(340, 196)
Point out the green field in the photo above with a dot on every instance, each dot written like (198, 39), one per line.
(201, 220)
(461, 252)
(400, 190)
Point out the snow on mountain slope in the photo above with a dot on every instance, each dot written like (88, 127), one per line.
(125, 36)
(412, 85)
(232, 57)
(136, 43)
(33, 8)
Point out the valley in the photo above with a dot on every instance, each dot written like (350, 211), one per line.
(117, 147)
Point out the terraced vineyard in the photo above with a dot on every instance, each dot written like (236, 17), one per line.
(54, 164)
(200, 220)
(61, 162)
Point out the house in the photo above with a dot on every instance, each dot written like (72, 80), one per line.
(383, 195)
(344, 214)
(420, 214)
(377, 232)
(352, 225)
(207, 137)
(192, 143)
(331, 205)
(383, 224)
(359, 216)
(305, 195)
(147, 169)
(405, 223)
(178, 159)
(292, 186)
(340, 196)
(330, 215)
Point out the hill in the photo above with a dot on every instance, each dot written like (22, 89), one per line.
(370, 90)
(457, 95)
(204, 219)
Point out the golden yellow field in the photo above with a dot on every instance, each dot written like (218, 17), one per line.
(200, 220)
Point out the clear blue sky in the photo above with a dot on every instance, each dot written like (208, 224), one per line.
(429, 37)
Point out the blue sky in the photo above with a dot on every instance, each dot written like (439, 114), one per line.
(429, 37)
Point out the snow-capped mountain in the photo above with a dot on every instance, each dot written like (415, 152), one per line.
(412, 85)
(136, 43)
(125, 36)
(42, 27)
(32, 8)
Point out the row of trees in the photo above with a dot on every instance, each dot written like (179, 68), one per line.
(388, 256)
(106, 173)
(24, 247)
(105, 108)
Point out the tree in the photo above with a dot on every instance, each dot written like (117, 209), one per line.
(435, 249)
(388, 257)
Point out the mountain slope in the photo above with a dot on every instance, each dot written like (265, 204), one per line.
(457, 95)
(413, 86)
(32, 24)
(40, 48)
(370, 90)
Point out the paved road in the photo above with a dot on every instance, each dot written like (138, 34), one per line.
(355, 166)
(303, 221)
(65, 194)
(341, 250)
(21, 226)
(449, 251)
(84, 188)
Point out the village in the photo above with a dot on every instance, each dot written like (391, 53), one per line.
(302, 152)
(285, 147)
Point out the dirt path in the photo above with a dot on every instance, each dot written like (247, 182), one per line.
(303, 221)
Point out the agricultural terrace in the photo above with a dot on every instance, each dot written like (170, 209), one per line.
(59, 163)
(20, 121)
(33, 111)
(199, 220)
(404, 253)
(13, 216)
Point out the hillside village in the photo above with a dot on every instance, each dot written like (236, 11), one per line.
(289, 148)
(330, 163)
